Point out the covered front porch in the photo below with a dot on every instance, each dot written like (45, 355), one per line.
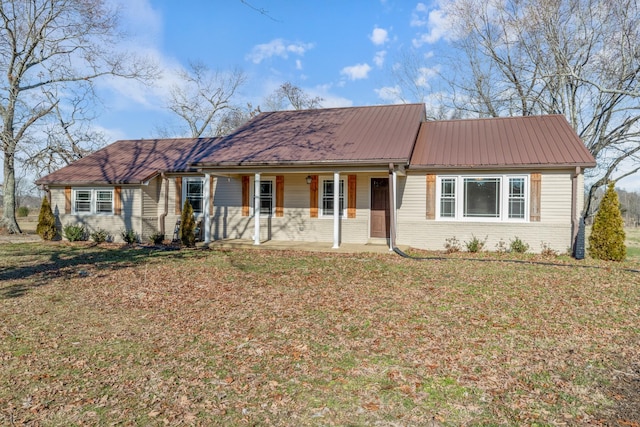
(281, 245)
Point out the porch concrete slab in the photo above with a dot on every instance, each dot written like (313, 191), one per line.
(302, 246)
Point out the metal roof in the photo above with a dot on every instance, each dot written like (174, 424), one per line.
(131, 161)
(514, 142)
(377, 134)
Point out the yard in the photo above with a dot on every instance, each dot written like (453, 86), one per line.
(137, 336)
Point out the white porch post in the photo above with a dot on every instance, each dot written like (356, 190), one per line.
(207, 213)
(336, 210)
(256, 209)
(394, 212)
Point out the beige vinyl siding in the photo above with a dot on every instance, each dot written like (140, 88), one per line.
(296, 224)
(554, 229)
(114, 224)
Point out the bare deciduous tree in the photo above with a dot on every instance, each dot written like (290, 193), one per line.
(289, 96)
(202, 98)
(47, 47)
(579, 58)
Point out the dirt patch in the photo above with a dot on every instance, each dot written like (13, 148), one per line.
(624, 390)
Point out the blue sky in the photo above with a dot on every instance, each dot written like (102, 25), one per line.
(338, 50)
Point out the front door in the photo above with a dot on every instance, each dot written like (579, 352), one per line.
(380, 207)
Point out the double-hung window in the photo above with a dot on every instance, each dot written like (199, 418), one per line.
(326, 197)
(194, 192)
(482, 198)
(93, 201)
(266, 197)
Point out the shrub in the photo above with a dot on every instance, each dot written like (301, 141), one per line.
(187, 225)
(606, 241)
(129, 236)
(518, 246)
(501, 246)
(74, 232)
(451, 245)
(475, 244)
(99, 236)
(23, 212)
(46, 221)
(546, 251)
(156, 238)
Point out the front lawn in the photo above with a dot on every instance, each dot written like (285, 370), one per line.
(106, 336)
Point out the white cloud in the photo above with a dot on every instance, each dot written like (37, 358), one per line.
(391, 94)
(379, 58)
(379, 36)
(279, 48)
(356, 72)
(437, 22)
(417, 18)
(298, 64)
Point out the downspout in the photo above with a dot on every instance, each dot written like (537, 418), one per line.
(164, 214)
(392, 207)
(575, 221)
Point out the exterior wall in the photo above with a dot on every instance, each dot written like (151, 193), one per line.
(553, 230)
(150, 204)
(227, 221)
(114, 224)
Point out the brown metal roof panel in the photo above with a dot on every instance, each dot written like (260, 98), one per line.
(514, 141)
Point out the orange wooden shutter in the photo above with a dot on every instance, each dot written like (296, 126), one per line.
(67, 200)
(536, 190)
(280, 195)
(431, 196)
(351, 203)
(245, 195)
(117, 201)
(313, 197)
(178, 196)
(211, 182)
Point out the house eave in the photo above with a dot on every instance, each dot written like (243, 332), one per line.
(537, 166)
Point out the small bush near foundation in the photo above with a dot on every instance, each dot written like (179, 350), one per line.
(501, 246)
(74, 233)
(23, 212)
(452, 245)
(129, 236)
(99, 236)
(475, 244)
(518, 246)
(156, 238)
(46, 221)
(546, 250)
(187, 225)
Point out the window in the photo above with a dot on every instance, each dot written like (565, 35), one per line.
(267, 197)
(327, 197)
(482, 198)
(194, 192)
(93, 201)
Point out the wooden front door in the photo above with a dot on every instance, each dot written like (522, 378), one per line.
(380, 207)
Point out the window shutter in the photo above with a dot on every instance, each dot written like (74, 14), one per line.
(211, 182)
(245, 195)
(313, 197)
(117, 201)
(431, 196)
(351, 202)
(534, 203)
(67, 200)
(178, 196)
(280, 195)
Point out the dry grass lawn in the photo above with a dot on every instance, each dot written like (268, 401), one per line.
(135, 336)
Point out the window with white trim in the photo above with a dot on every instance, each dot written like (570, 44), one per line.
(326, 198)
(482, 198)
(92, 201)
(267, 197)
(193, 190)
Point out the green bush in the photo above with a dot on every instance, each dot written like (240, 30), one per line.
(187, 225)
(23, 212)
(475, 244)
(518, 246)
(99, 236)
(156, 238)
(46, 227)
(74, 233)
(129, 236)
(606, 241)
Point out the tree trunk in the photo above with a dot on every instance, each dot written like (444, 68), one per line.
(9, 190)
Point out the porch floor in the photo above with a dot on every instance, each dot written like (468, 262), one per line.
(302, 246)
